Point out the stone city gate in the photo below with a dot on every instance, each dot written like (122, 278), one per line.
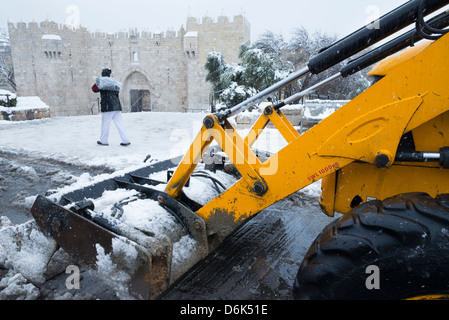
(136, 93)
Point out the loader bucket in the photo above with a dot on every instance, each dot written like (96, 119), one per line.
(138, 262)
(85, 241)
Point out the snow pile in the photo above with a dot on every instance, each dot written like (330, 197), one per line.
(319, 109)
(202, 189)
(313, 190)
(25, 249)
(145, 214)
(23, 103)
(118, 274)
(148, 215)
(310, 113)
(15, 286)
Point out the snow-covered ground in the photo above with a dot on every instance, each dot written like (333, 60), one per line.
(72, 140)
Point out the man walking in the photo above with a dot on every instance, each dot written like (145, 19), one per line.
(111, 107)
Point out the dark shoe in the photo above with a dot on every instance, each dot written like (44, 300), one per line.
(102, 144)
(125, 144)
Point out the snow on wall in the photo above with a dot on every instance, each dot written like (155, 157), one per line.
(311, 110)
(27, 108)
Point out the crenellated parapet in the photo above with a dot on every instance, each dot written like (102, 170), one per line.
(50, 27)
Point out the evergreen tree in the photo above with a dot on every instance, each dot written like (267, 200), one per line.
(238, 82)
(215, 65)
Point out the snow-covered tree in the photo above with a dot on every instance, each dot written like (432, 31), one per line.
(303, 47)
(235, 93)
(262, 70)
(226, 79)
(271, 59)
(360, 83)
(270, 42)
(238, 82)
(6, 67)
(216, 66)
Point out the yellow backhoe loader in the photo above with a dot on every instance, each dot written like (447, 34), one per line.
(383, 159)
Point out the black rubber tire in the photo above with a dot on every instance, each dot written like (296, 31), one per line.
(405, 236)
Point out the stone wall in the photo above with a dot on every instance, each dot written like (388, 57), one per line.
(27, 108)
(166, 70)
(23, 115)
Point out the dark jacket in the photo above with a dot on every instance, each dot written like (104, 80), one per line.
(109, 99)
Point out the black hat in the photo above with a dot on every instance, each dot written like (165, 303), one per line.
(106, 73)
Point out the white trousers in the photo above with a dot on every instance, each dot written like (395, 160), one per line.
(117, 117)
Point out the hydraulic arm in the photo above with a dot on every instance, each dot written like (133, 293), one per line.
(368, 129)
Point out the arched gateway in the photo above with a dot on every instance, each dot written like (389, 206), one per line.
(136, 93)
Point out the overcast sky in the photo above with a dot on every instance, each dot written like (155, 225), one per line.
(339, 17)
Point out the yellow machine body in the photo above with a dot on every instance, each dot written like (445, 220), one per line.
(343, 148)
(385, 66)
